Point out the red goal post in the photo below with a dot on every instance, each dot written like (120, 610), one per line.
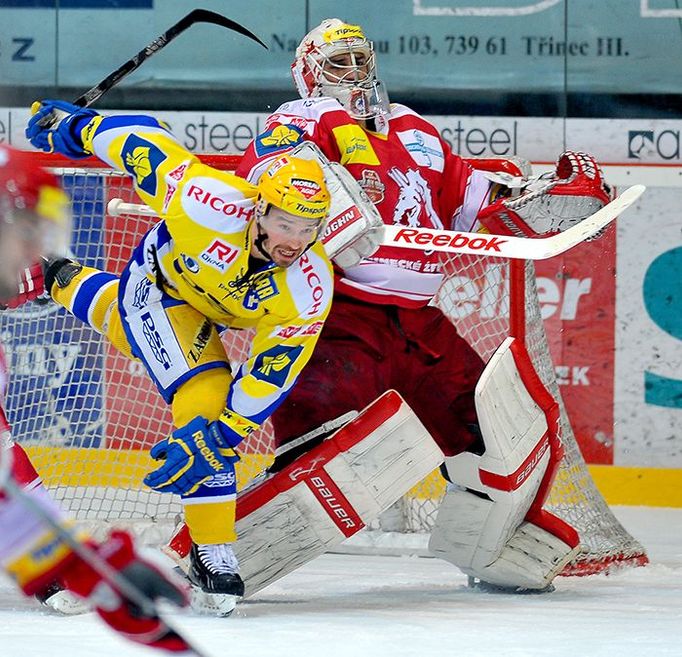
(88, 415)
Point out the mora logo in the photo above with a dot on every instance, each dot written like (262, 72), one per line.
(424, 238)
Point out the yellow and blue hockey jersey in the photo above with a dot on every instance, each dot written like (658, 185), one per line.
(200, 253)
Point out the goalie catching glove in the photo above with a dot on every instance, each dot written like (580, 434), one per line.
(192, 455)
(551, 203)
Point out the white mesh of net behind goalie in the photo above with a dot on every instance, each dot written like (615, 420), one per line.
(88, 415)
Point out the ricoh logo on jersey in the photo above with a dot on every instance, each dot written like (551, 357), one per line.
(219, 255)
(216, 205)
(314, 283)
(205, 197)
(653, 145)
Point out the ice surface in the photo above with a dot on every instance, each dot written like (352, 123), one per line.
(352, 606)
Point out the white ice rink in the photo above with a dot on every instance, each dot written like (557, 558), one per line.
(353, 606)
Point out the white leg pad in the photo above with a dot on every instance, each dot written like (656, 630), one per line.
(333, 491)
(479, 524)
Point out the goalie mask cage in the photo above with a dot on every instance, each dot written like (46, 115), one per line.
(88, 416)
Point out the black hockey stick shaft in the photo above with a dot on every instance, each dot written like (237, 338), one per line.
(89, 556)
(194, 16)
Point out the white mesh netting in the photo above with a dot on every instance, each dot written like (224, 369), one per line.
(88, 415)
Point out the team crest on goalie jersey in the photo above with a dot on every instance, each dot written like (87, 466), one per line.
(277, 138)
(141, 159)
(274, 364)
(372, 186)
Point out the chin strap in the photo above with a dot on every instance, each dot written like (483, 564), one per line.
(260, 239)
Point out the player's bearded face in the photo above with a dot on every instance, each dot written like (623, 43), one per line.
(286, 235)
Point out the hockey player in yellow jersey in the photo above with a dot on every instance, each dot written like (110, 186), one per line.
(225, 253)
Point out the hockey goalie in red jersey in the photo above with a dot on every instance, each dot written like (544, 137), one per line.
(34, 220)
(382, 333)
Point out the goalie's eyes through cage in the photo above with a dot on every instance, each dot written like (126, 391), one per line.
(352, 67)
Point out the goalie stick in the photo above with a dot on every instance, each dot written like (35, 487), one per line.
(524, 248)
(89, 556)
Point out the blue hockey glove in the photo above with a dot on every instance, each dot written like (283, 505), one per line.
(56, 125)
(193, 454)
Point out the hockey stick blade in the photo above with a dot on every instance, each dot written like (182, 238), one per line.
(194, 16)
(449, 241)
(523, 248)
(90, 557)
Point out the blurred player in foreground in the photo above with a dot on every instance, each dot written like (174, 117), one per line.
(225, 253)
(34, 220)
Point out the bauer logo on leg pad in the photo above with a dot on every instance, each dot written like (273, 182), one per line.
(334, 502)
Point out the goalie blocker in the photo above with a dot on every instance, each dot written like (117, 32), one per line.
(329, 493)
(491, 523)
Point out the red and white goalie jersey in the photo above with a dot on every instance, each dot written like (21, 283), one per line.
(425, 185)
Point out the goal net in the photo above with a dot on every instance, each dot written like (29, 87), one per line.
(88, 416)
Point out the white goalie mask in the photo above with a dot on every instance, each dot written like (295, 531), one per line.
(336, 59)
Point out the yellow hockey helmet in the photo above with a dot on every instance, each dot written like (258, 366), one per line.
(296, 186)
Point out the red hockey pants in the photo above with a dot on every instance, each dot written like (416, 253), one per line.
(366, 349)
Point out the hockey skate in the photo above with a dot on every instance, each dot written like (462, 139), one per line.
(62, 601)
(214, 578)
